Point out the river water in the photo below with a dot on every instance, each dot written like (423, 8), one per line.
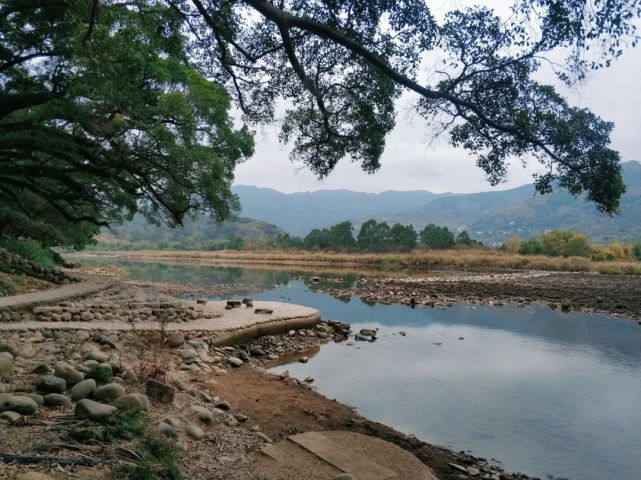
(550, 394)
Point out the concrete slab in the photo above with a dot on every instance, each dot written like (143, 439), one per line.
(344, 459)
(64, 292)
(329, 453)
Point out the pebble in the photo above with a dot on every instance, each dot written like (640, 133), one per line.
(203, 414)
(167, 430)
(234, 361)
(230, 421)
(194, 432)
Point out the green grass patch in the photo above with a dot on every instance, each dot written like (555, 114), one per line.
(159, 461)
(100, 373)
(124, 425)
(31, 250)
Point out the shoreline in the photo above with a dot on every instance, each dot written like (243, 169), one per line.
(212, 370)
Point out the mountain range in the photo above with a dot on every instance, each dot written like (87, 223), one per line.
(487, 216)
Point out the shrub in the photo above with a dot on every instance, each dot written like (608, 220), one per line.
(31, 250)
(530, 246)
(636, 250)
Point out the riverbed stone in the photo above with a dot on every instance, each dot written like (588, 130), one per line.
(109, 392)
(175, 339)
(136, 401)
(57, 400)
(83, 389)
(67, 372)
(6, 364)
(95, 411)
(160, 391)
(9, 416)
(51, 384)
(203, 414)
(194, 432)
(18, 403)
(235, 361)
(167, 430)
(39, 399)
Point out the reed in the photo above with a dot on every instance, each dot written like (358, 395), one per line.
(418, 259)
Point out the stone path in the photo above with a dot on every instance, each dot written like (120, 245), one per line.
(72, 290)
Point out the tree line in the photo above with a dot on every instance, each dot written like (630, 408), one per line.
(376, 236)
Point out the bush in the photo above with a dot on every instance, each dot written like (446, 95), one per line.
(530, 246)
(31, 250)
(636, 250)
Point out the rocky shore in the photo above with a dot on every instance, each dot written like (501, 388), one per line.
(66, 397)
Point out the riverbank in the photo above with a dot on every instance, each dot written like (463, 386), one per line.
(224, 406)
(418, 260)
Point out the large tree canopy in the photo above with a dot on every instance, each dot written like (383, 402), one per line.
(102, 114)
(109, 106)
(341, 64)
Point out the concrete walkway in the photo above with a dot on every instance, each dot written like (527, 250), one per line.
(234, 325)
(64, 292)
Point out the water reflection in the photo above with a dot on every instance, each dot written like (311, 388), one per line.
(548, 393)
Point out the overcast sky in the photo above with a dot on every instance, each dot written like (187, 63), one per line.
(412, 161)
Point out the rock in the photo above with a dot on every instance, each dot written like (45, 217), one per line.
(109, 392)
(223, 405)
(18, 403)
(234, 303)
(167, 430)
(104, 340)
(97, 355)
(187, 353)
(70, 375)
(83, 389)
(362, 338)
(256, 350)
(234, 361)
(175, 339)
(51, 384)
(201, 301)
(33, 476)
(457, 467)
(264, 311)
(474, 472)
(264, 437)
(11, 417)
(203, 414)
(160, 391)
(39, 399)
(57, 400)
(6, 364)
(303, 359)
(174, 422)
(241, 417)
(94, 411)
(230, 421)
(137, 401)
(194, 432)
(129, 375)
(42, 369)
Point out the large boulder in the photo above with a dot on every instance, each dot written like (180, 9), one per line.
(57, 400)
(68, 373)
(95, 411)
(160, 391)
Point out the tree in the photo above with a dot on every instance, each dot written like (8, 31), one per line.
(463, 238)
(437, 237)
(317, 238)
(102, 114)
(402, 237)
(340, 236)
(530, 246)
(105, 106)
(636, 250)
(565, 243)
(373, 236)
(341, 64)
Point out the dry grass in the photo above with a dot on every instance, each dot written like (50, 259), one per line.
(419, 259)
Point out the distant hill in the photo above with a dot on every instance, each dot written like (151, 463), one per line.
(488, 216)
(298, 213)
(202, 232)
